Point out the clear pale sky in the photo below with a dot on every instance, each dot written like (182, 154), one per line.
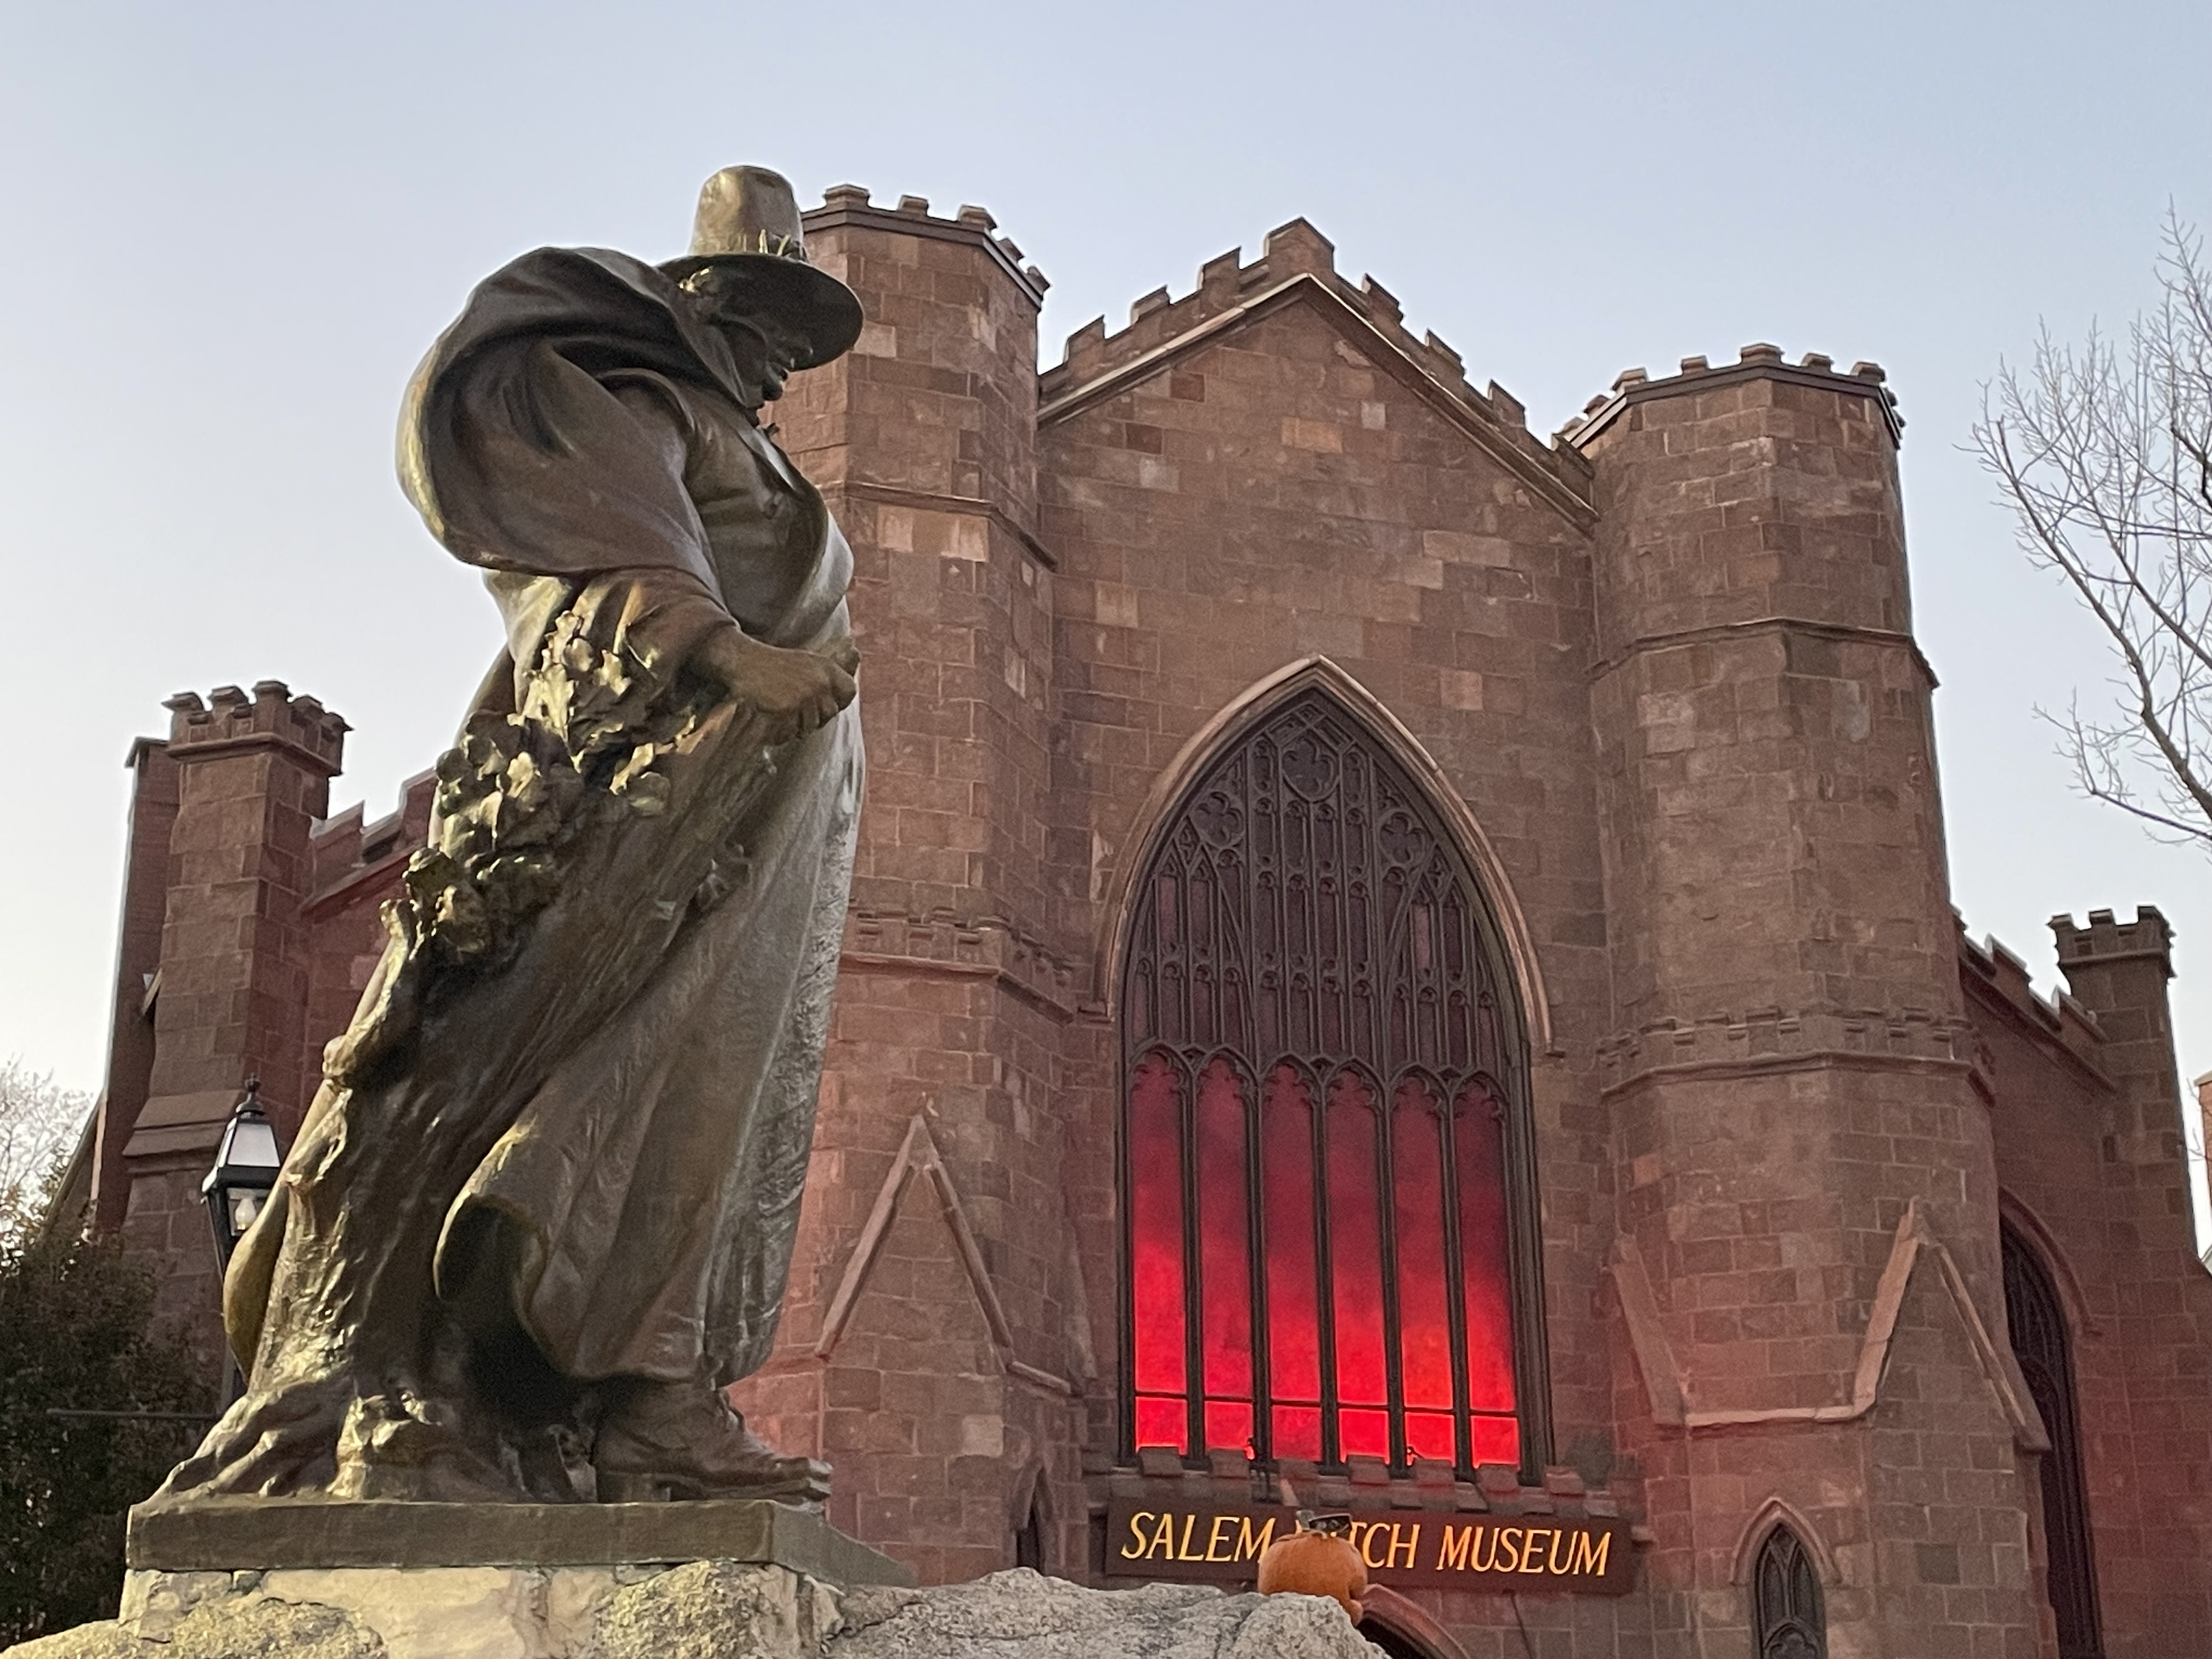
(230, 229)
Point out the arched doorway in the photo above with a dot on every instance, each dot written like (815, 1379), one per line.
(1328, 1180)
(1392, 1643)
(2040, 1342)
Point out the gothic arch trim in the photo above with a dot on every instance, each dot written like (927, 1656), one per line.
(1499, 1045)
(1777, 1512)
(918, 1156)
(1236, 717)
(1403, 1616)
(1667, 1388)
(2040, 1238)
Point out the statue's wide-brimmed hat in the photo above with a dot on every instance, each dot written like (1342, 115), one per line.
(748, 224)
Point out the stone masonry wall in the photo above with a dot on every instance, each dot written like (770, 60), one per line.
(1226, 502)
(1786, 1071)
(357, 865)
(2108, 1179)
(252, 776)
(137, 963)
(941, 1391)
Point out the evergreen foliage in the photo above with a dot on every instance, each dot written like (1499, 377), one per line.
(74, 1335)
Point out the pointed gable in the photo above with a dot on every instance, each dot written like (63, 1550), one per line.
(1296, 268)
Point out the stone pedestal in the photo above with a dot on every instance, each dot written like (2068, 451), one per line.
(700, 1610)
(640, 1611)
(231, 1534)
(243, 1576)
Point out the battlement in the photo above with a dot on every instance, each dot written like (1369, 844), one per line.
(2107, 939)
(271, 716)
(349, 846)
(846, 205)
(1227, 287)
(1758, 361)
(2004, 978)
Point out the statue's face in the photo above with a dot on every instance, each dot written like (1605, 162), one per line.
(784, 349)
(758, 335)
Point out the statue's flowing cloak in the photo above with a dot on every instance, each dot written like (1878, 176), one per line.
(635, 1196)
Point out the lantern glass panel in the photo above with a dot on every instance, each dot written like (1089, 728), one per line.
(253, 1144)
(245, 1204)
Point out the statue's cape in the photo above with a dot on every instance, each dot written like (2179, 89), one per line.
(513, 444)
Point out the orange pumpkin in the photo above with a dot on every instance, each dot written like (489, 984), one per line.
(1317, 1560)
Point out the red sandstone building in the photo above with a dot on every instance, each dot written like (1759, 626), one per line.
(1387, 951)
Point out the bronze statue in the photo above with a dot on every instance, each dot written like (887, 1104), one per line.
(541, 1209)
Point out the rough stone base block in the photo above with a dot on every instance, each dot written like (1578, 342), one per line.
(1024, 1615)
(227, 1534)
(700, 1610)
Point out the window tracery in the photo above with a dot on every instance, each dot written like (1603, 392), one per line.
(2037, 1324)
(1321, 1065)
(1788, 1619)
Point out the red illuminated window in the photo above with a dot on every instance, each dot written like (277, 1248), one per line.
(1321, 1061)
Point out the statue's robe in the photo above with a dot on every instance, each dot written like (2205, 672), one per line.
(625, 1167)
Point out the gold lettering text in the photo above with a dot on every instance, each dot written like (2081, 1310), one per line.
(1250, 1543)
(1451, 1549)
(1413, 1542)
(1182, 1550)
(1562, 1555)
(1589, 1561)
(1474, 1560)
(1380, 1529)
(1532, 1555)
(1214, 1540)
(1509, 1538)
(1134, 1549)
(1163, 1538)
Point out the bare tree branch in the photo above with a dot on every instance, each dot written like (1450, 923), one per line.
(40, 1122)
(2104, 456)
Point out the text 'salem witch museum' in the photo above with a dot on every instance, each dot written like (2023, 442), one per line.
(1384, 949)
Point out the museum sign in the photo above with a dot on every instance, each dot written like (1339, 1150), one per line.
(1406, 1549)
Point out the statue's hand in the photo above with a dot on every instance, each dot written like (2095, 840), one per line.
(795, 691)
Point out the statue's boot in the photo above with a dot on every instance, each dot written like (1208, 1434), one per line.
(678, 1440)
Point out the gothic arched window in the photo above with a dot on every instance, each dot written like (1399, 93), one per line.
(2038, 1325)
(1330, 1246)
(1786, 1619)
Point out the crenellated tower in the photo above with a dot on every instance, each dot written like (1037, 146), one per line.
(924, 1349)
(220, 840)
(1787, 1069)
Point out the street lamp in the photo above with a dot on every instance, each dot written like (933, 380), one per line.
(245, 1164)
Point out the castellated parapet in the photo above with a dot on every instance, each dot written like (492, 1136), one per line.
(271, 716)
(1756, 361)
(850, 204)
(2061, 1016)
(1228, 290)
(2108, 940)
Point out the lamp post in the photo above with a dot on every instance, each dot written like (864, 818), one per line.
(245, 1164)
(246, 1161)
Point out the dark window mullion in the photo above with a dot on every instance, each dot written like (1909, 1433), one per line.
(1393, 1360)
(1324, 1271)
(1455, 1287)
(1194, 1299)
(1256, 1213)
